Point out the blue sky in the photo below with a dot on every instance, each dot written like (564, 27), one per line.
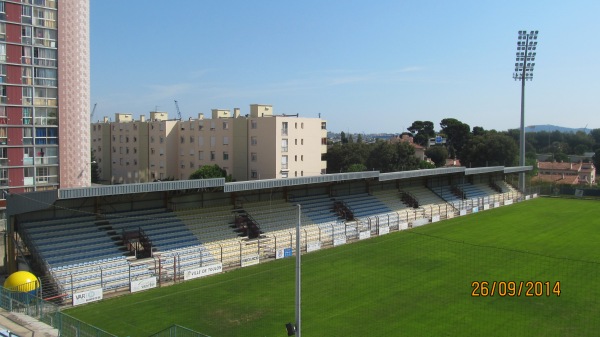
(365, 66)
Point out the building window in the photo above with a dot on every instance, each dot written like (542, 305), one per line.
(212, 125)
(212, 155)
(162, 140)
(225, 126)
(324, 141)
(151, 139)
(253, 124)
(213, 141)
(200, 141)
(301, 125)
(201, 155)
(301, 157)
(296, 141)
(323, 125)
(284, 128)
(181, 140)
(296, 125)
(225, 140)
(284, 174)
(284, 162)
(191, 139)
(296, 158)
(151, 150)
(225, 156)
(2, 52)
(301, 141)
(284, 145)
(253, 140)
(253, 156)
(253, 174)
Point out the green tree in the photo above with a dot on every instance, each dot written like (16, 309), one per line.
(343, 138)
(596, 158)
(357, 168)
(478, 131)
(95, 173)
(426, 165)
(595, 135)
(491, 149)
(457, 135)
(210, 171)
(438, 154)
(422, 131)
(387, 157)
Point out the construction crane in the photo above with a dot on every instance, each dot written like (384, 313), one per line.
(178, 112)
(92, 114)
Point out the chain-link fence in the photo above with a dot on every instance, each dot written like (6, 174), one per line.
(178, 331)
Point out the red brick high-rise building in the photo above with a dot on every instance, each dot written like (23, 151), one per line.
(44, 95)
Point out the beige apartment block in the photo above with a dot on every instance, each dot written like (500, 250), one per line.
(259, 145)
(121, 149)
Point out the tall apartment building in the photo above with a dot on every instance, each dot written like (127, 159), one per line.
(44, 95)
(259, 145)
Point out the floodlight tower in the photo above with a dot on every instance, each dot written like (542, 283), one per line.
(526, 46)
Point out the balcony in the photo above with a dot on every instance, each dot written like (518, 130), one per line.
(284, 149)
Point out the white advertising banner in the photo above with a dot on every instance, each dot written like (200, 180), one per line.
(143, 284)
(339, 240)
(449, 215)
(527, 197)
(508, 202)
(250, 260)
(486, 207)
(496, 204)
(420, 222)
(87, 296)
(402, 226)
(475, 209)
(313, 246)
(535, 195)
(462, 212)
(364, 235)
(435, 218)
(383, 230)
(202, 271)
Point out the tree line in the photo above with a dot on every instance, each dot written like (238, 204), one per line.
(473, 147)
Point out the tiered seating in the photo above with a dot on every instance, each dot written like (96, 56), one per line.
(163, 228)
(473, 191)
(62, 242)
(506, 187)
(364, 205)
(319, 208)
(424, 195)
(110, 274)
(210, 224)
(446, 193)
(430, 203)
(186, 258)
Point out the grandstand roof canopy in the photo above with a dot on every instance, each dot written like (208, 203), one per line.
(20, 203)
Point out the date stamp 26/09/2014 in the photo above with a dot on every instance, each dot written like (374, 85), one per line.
(515, 288)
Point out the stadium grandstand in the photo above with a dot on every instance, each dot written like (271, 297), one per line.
(86, 243)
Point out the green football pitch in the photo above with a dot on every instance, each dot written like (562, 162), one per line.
(540, 260)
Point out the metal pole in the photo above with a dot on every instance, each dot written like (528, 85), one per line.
(298, 268)
(522, 138)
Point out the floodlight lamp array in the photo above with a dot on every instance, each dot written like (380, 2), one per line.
(525, 56)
